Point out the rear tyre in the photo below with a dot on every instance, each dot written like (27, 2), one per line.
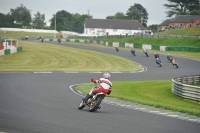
(81, 105)
(95, 104)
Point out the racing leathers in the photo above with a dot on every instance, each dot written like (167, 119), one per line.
(105, 87)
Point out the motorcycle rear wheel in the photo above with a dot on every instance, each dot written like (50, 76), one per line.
(95, 104)
(81, 105)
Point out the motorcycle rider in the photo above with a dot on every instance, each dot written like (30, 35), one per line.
(144, 50)
(158, 61)
(168, 56)
(156, 55)
(133, 51)
(173, 61)
(105, 86)
(116, 47)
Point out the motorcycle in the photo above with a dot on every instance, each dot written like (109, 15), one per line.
(94, 102)
(133, 52)
(176, 64)
(117, 49)
(146, 53)
(159, 63)
(170, 58)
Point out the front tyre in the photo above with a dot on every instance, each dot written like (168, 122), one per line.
(81, 105)
(95, 104)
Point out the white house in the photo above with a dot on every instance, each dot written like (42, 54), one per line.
(99, 27)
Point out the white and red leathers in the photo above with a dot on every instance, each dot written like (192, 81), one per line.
(105, 86)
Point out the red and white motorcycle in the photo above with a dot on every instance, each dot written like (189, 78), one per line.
(94, 102)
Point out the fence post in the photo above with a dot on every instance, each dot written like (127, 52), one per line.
(194, 80)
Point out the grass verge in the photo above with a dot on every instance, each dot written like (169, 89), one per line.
(157, 94)
(48, 57)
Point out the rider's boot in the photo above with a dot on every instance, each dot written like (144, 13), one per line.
(86, 98)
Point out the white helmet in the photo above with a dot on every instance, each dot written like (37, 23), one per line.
(155, 53)
(106, 75)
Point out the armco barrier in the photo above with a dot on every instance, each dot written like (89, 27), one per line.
(181, 86)
(155, 47)
(19, 49)
(7, 51)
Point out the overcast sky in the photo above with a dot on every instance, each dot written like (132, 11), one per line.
(99, 9)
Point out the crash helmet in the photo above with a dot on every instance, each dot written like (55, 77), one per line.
(106, 75)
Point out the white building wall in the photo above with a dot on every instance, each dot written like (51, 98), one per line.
(100, 32)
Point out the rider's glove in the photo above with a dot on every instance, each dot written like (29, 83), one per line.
(93, 80)
(109, 91)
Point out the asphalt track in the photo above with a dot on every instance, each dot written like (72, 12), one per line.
(44, 103)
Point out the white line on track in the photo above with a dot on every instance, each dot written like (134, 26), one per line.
(42, 72)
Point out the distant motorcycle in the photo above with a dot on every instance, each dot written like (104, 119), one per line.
(93, 103)
(158, 62)
(133, 52)
(117, 49)
(170, 58)
(145, 52)
(176, 64)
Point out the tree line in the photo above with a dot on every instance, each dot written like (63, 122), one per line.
(66, 21)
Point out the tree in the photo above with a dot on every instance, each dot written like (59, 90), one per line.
(3, 20)
(21, 14)
(195, 12)
(153, 27)
(63, 19)
(38, 20)
(138, 12)
(181, 7)
(69, 22)
(118, 15)
(79, 23)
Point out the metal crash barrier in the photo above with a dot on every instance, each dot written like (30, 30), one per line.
(183, 87)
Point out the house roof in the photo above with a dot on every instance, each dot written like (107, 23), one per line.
(166, 22)
(186, 18)
(113, 24)
(181, 19)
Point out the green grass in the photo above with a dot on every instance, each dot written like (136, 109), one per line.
(153, 93)
(20, 34)
(49, 57)
(198, 84)
(182, 31)
(195, 42)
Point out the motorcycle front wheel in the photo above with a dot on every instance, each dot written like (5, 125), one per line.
(81, 105)
(95, 104)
